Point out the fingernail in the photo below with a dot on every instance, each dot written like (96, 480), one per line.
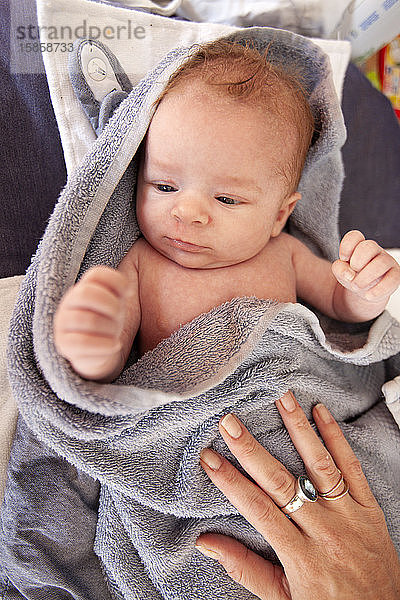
(349, 275)
(232, 426)
(211, 458)
(207, 552)
(288, 402)
(324, 414)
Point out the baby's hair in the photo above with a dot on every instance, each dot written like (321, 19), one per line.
(240, 72)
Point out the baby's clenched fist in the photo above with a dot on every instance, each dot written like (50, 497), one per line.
(365, 268)
(89, 321)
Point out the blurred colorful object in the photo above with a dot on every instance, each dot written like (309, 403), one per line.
(383, 71)
(389, 73)
(370, 68)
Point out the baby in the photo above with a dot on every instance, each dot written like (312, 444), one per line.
(217, 180)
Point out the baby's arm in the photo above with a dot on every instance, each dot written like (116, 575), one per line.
(97, 320)
(373, 276)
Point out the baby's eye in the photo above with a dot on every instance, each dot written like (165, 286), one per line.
(226, 200)
(163, 187)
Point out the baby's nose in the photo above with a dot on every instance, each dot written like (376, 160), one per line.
(190, 210)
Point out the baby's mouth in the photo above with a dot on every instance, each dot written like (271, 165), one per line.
(182, 245)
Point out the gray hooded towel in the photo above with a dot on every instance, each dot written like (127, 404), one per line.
(141, 436)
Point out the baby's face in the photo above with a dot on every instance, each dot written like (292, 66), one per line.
(209, 194)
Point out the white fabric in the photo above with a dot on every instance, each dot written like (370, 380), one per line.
(8, 411)
(390, 389)
(394, 303)
(137, 57)
(311, 17)
(160, 7)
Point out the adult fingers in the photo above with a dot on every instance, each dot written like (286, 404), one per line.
(322, 462)
(319, 463)
(253, 503)
(267, 471)
(344, 457)
(270, 475)
(259, 576)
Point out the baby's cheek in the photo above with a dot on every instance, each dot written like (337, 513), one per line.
(142, 213)
(151, 221)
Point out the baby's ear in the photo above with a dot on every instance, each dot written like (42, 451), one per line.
(284, 213)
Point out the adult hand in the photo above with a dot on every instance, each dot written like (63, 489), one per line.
(329, 549)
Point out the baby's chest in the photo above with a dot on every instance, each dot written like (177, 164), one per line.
(171, 295)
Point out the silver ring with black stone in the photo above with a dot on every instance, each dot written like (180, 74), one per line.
(305, 492)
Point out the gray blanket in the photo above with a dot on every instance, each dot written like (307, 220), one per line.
(141, 436)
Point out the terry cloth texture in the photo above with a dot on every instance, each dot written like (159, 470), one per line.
(140, 437)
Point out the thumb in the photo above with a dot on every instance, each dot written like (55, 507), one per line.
(259, 576)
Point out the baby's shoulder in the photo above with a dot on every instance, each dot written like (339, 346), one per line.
(138, 248)
(288, 247)
(291, 244)
(133, 257)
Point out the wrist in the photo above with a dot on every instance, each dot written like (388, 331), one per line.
(350, 307)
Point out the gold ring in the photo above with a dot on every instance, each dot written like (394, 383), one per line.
(325, 494)
(345, 491)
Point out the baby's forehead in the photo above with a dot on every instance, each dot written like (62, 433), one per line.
(197, 95)
(194, 93)
(216, 125)
(191, 106)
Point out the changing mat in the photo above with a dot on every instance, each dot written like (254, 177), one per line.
(141, 436)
